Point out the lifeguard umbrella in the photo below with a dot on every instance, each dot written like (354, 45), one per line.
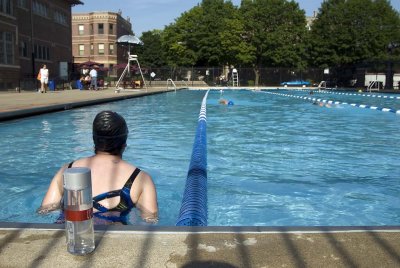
(129, 40)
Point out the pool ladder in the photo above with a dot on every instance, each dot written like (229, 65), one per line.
(374, 86)
(172, 82)
(322, 85)
(235, 78)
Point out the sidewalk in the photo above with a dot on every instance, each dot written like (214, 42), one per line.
(117, 246)
(43, 245)
(15, 105)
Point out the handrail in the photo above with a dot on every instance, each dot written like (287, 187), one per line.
(170, 80)
(322, 84)
(372, 84)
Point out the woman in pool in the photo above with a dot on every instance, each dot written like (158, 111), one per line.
(117, 186)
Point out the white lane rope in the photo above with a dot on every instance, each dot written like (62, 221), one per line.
(351, 94)
(364, 106)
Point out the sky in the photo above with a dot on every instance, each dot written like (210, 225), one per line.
(146, 15)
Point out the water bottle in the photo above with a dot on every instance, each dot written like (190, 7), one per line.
(78, 211)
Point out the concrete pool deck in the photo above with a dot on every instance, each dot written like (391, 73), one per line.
(16, 105)
(43, 245)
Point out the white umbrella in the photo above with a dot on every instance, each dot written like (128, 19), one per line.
(129, 40)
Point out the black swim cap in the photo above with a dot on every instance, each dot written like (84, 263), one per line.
(109, 132)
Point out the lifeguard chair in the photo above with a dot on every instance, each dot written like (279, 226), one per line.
(235, 78)
(129, 40)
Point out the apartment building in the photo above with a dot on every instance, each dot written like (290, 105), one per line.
(94, 37)
(32, 33)
(310, 20)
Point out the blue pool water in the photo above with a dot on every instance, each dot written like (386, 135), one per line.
(272, 160)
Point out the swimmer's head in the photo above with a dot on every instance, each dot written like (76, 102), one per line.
(110, 133)
(223, 101)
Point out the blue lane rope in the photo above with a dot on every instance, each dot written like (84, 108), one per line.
(193, 210)
(337, 102)
(352, 94)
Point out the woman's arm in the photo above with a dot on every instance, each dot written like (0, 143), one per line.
(54, 195)
(147, 202)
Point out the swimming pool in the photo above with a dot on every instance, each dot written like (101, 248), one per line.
(272, 160)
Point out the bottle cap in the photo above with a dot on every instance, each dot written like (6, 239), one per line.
(77, 178)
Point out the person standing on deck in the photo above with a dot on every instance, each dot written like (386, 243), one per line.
(44, 78)
(93, 81)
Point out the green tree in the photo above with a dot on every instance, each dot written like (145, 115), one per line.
(275, 31)
(151, 53)
(177, 39)
(235, 48)
(351, 31)
(200, 36)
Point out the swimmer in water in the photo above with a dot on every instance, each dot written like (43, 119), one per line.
(323, 104)
(117, 185)
(226, 102)
(223, 101)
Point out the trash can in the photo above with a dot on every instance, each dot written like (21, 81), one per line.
(52, 85)
(79, 84)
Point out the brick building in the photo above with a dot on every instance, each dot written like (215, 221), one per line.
(94, 37)
(32, 33)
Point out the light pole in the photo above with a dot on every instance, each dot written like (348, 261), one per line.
(32, 41)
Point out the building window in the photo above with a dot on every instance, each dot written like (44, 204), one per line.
(81, 29)
(81, 50)
(91, 29)
(6, 7)
(41, 52)
(111, 49)
(111, 29)
(101, 28)
(6, 48)
(47, 53)
(101, 49)
(40, 9)
(22, 3)
(60, 17)
(91, 49)
(23, 49)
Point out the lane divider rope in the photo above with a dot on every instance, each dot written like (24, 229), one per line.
(364, 106)
(352, 94)
(193, 210)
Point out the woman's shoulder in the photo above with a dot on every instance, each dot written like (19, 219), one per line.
(79, 160)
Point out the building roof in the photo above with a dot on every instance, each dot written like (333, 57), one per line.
(74, 2)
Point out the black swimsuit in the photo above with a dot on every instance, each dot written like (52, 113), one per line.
(125, 204)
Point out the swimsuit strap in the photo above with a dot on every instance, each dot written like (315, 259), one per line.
(103, 196)
(132, 178)
(125, 202)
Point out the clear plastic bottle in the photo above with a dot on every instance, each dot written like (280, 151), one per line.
(78, 210)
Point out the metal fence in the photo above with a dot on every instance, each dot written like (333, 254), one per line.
(216, 76)
(350, 76)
